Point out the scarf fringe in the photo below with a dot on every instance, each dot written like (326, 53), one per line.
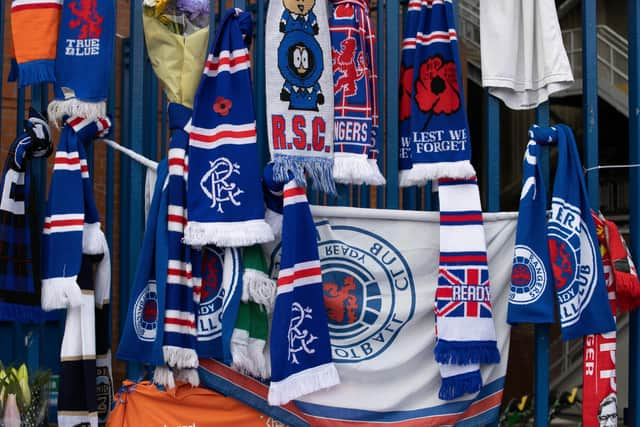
(60, 292)
(21, 313)
(466, 352)
(260, 288)
(302, 383)
(228, 235)
(241, 361)
(319, 170)
(421, 173)
(163, 376)
(376, 177)
(458, 385)
(189, 375)
(355, 169)
(256, 355)
(180, 358)
(274, 219)
(627, 291)
(92, 239)
(35, 72)
(76, 108)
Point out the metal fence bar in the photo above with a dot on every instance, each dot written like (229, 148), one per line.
(542, 338)
(590, 97)
(380, 14)
(2, 29)
(392, 78)
(633, 13)
(261, 81)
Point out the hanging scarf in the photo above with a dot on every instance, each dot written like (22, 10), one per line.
(300, 349)
(142, 335)
(257, 286)
(599, 400)
(183, 272)
(34, 27)
(531, 296)
(624, 271)
(72, 224)
(439, 143)
(466, 335)
(299, 90)
(19, 295)
(355, 80)
(573, 250)
(219, 302)
(224, 192)
(249, 340)
(84, 62)
(104, 371)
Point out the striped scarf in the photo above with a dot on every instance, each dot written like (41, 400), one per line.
(19, 295)
(224, 192)
(72, 224)
(183, 271)
(34, 27)
(300, 349)
(355, 80)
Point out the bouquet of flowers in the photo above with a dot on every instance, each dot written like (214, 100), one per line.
(176, 34)
(23, 402)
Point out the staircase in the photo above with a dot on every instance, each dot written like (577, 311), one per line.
(613, 81)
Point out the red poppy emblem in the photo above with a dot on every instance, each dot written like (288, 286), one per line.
(437, 87)
(222, 106)
(406, 78)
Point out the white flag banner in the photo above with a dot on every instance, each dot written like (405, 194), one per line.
(380, 270)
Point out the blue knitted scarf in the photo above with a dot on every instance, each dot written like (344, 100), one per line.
(224, 191)
(573, 250)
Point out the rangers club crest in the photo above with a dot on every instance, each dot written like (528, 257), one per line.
(369, 292)
(528, 278)
(212, 297)
(145, 313)
(573, 258)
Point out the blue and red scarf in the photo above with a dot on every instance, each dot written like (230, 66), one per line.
(300, 348)
(224, 191)
(574, 255)
(84, 59)
(355, 79)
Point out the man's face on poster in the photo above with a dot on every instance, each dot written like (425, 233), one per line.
(608, 412)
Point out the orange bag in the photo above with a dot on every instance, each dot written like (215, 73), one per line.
(142, 404)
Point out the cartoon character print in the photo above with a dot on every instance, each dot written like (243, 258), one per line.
(351, 69)
(300, 63)
(298, 16)
(87, 18)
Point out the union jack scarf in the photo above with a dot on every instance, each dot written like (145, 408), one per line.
(224, 196)
(34, 27)
(19, 290)
(72, 223)
(183, 273)
(355, 81)
(300, 348)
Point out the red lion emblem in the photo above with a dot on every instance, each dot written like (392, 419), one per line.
(209, 278)
(520, 275)
(340, 302)
(562, 265)
(344, 61)
(87, 19)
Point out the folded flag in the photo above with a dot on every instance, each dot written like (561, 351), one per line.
(439, 136)
(34, 28)
(19, 289)
(466, 334)
(355, 80)
(300, 349)
(142, 335)
(300, 92)
(573, 245)
(84, 59)
(72, 223)
(224, 192)
(531, 296)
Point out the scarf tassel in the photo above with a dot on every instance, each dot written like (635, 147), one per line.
(227, 235)
(92, 239)
(355, 169)
(34, 72)
(458, 385)
(163, 376)
(258, 287)
(75, 108)
(420, 173)
(180, 358)
(60, 292)
(466, 352)
(320, 171)
(189, 375)
(304, 382)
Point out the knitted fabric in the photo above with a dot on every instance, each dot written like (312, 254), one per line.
(224, 191)
(300, 92)
(34, 28)
(355, 79)
(84, 59)
(71, 226)
(257, 286)
(19, 289)
(300, 349)
(249, 340)
(623, 270)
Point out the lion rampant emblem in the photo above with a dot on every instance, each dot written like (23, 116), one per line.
(344, 62)
(562, 265)
(342, 305)
(87, 18)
